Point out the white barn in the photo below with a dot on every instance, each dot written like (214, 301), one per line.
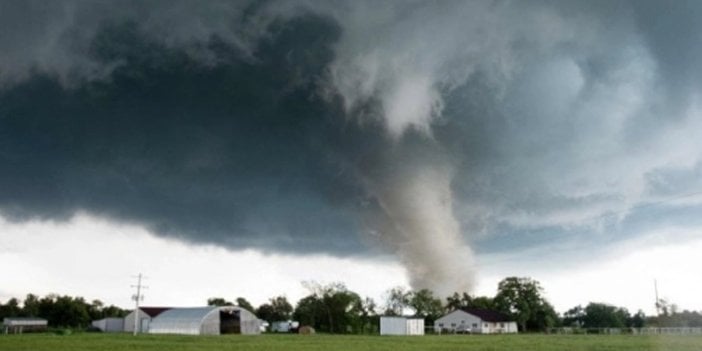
(210, 320)
(475, 321)
(401, 326)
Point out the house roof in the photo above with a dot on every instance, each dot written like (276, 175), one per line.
(487, 315)
(154, 311)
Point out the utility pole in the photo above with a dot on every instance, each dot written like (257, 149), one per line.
(137, 297)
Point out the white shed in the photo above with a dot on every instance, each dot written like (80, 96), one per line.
(475, 321)
(211, 320)
(390, 325)
(109, 325)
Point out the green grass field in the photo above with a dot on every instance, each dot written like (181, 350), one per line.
(117, 342)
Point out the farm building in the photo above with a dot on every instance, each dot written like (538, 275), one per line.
(211, 320)
(401, 326)
(146, 314)
(19, 325)
(110, 325)
(476, 321)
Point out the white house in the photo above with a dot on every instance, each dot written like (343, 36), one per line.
(401, 326)
(476, 321)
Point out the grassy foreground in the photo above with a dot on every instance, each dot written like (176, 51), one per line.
(117, 342)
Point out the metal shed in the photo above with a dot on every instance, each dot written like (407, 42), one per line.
(109, 325)
(211, 320)
(19, 325)
(391, 325)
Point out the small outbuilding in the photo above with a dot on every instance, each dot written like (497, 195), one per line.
(288, 326)
(210, 320)
(109, 325)
(19, 325)
(475, 321)
(392, 325)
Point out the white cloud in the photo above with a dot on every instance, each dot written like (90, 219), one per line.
(622, 275)
(95, 258)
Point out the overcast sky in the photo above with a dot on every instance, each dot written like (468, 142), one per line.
(236, 149)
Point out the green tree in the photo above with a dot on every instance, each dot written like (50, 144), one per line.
(545, 317)
(46, 308)
(218, 301)
(10, 308)
(60, 311)
(95, 310)
(455, 301)
(64, 311)
(266, 313)
(425, 305)
(309, 311)
(243, 303)
(113, 311)
(282, 308)
(277, 309)
(370, 321)
(522, 299)
(31, 306)
(574, 317)
(638, 320)
(464, 300)
(397, 299)
(331, 308)
(600, 315)
(484, 302)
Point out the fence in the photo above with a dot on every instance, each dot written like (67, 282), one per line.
(633, 331)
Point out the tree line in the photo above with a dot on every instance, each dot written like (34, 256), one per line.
(60, 310)
(333, 308)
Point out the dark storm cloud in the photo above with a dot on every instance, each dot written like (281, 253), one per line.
(671, 32)
(221, 153)
(297, 126)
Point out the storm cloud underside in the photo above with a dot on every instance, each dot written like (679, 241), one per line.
(354, 127)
